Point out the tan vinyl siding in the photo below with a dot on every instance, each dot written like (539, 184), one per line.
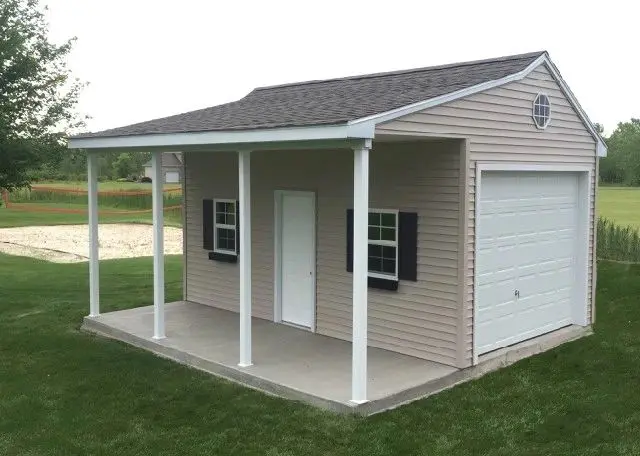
(421, 318)
(499, 128)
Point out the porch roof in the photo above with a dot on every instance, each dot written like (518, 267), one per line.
(333, 101)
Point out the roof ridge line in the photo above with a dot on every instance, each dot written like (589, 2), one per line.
(406, 71)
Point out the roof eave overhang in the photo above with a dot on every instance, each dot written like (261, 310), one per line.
(236, 139)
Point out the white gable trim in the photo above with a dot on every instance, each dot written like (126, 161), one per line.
(542, 60)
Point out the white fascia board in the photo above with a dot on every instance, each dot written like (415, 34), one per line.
(272, 135)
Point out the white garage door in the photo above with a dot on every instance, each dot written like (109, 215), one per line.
(526, 255)
(172, 177)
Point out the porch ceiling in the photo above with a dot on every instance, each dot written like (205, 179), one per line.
(289, 362)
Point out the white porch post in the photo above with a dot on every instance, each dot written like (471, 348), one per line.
(360, 271)
(158, 246)
(94, 271)
(244, 237)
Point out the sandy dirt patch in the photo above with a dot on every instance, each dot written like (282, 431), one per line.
(70, 243)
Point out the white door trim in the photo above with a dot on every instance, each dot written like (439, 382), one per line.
(277, 254)
(579, 304)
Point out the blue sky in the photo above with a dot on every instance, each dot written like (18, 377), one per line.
(146, 59)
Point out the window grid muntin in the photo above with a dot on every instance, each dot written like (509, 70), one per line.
(541, 111)
(228, 212)
(383, 243)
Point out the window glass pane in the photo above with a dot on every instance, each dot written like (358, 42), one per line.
(231, 219)
(389, 266)
(537, 110)
(389, 252)
(374, 233)
(375, 264)
(226, 239)
(222, 243)
(375, 250)
(388, 234)
(374, 218)
(220, 218)
(389, 220)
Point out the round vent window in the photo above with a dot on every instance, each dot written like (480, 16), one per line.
(541, 111)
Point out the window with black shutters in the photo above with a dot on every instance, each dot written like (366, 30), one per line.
(225, 226)
(383, 244)
(392, 247)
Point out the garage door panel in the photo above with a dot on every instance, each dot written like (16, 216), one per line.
(547, 250)
(526, 242)
(499, 259)
(502, 298)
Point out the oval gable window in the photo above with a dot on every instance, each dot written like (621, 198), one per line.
(541, 111)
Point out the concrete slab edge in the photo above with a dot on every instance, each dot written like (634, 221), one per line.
(248, 379)
(499, 359)
(495, 361)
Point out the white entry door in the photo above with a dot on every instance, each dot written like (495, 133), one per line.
(527, 251)
(298, 257)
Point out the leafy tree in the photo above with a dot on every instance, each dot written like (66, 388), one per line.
(123, 166)
(622, 165)
(37, 94)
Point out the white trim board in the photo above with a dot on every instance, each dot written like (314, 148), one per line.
(232, 138)
(363, 128)
(579, 305)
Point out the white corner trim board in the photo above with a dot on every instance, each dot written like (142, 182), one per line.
(363, 128)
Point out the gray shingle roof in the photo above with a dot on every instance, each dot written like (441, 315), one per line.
(333, 101)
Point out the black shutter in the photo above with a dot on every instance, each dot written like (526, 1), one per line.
(408, 246)
(349, 240)
(237, 227)
(207, 224)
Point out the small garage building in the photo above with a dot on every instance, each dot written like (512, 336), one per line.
(441, 214)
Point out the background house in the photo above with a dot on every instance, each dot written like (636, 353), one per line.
(171, 167)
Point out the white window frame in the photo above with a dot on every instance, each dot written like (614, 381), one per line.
(395, 243)
(217, 225)
(533, 112)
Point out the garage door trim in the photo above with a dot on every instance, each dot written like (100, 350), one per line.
(579, 303)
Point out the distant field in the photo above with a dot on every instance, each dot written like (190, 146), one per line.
(56, 203)
(620, 204)
(17, 217)
(82, 185)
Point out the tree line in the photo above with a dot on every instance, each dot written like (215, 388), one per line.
(72, 165)
(622, 164)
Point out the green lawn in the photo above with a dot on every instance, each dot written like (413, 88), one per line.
(64, 392)
(620, 204)
(102, 186)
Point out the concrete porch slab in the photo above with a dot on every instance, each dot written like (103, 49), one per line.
(297, 364)
(288, 362)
